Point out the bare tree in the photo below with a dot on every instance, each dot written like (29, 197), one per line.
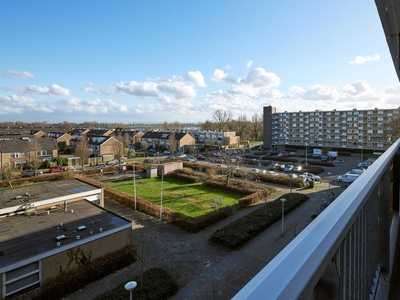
(176, 126)
(395, 129)
(165, 126)
(8, 173)
(207, 125)
(229, 164)
(127, 140)
(82, 150)
(242, 125)
(118, 148)
(34, 147)
(171, 142)
(222, 118)
(67, 127)
(256, 126)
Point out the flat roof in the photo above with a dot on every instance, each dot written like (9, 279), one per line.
(42, 191)
(23, 236)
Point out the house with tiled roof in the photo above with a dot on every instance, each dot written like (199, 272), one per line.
(60, 137)
(15, 151)
(162, 139)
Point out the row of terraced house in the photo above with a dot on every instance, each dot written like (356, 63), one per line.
(15, 148)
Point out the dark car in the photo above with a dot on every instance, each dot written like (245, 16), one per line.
(272, 167)
(28, 173)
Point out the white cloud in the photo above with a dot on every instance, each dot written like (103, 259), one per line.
(195, 77)
(92, 106)
(363, 59)
(228, 67)
(18, 100)
(219, 75)
(52, 90)
(259, 78)
(316, 92)
(249, 63)
(164, 90)
(357, 88)
(19, 74)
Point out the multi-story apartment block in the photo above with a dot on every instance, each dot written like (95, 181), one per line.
(349, 129)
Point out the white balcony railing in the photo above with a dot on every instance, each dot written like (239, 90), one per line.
(353, 236)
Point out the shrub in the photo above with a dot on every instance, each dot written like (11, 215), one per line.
(67, 283)
(157, 284)
(239, 232)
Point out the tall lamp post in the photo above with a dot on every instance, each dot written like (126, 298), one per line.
(329, 181)
(283, 212)
(130, 286)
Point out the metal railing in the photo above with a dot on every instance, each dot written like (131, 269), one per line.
(347, 247)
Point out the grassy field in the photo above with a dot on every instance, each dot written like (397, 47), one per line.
(191, 199)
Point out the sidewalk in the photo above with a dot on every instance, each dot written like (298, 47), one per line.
(204, 271)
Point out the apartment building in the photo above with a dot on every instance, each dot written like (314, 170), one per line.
(336, 129)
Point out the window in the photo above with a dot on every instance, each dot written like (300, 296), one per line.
(18, 155)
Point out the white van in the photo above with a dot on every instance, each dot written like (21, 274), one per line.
(347, 177)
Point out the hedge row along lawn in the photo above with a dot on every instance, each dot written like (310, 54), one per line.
(237, 233)
(191, 199)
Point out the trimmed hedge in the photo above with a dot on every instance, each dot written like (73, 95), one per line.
(157, 284)
(68, 283)
(239, 232)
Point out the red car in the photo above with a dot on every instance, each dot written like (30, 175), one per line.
(57, 169)
(200, 157)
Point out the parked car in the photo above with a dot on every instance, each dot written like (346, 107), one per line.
(222, 166)
(28, 173)
(364, 164)
(347, 177)
(297, 169)
(281, 167)
(200, 157)
(357, 171)
(255, 170)
(273, 167)
(292, 175)
(272, 173)
(57, 169)
(166, 152)
(288, 168)
(310, 175)
(188, 159)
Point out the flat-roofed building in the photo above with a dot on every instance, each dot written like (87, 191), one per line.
(337, 129)
(50, 228)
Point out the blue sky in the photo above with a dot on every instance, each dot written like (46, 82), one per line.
(167, 60)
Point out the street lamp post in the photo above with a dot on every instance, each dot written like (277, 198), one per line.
(329, 181)
(283, 212)
(130, 286)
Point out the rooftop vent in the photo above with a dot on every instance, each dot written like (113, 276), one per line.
(78, 237)
(58, 244)
(100, 229)
(81, 227)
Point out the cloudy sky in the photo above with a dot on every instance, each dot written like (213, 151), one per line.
(155, 61)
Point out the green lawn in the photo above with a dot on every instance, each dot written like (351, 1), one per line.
(191, 199)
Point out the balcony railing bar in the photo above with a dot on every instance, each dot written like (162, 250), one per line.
(362, 211)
